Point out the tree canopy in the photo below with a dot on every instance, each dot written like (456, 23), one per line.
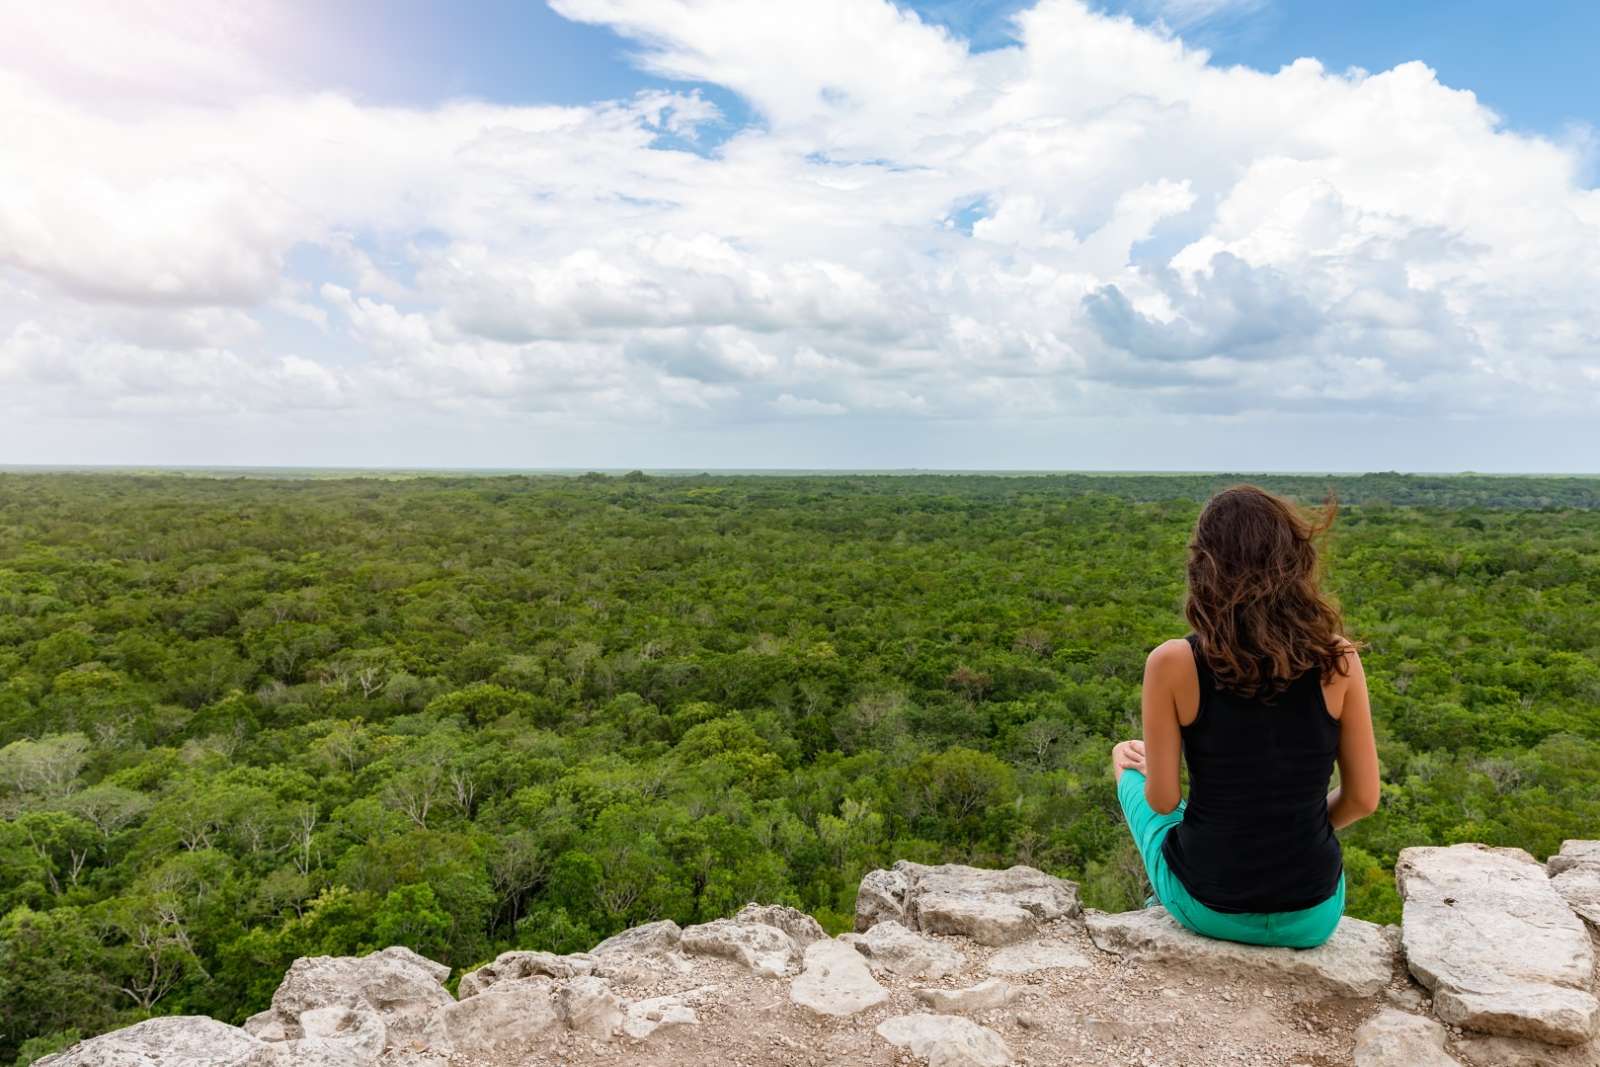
(248, 719)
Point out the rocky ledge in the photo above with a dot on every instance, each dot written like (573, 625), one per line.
(1493, 966)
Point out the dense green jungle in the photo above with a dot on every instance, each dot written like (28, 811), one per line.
(247, 719)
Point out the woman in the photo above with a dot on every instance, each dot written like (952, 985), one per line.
(1262, 699)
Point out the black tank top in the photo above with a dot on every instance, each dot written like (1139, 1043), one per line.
(1255, 834)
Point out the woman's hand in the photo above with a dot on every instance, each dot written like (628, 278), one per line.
(1127, 756)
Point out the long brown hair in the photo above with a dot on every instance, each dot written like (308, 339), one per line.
(1255, 598)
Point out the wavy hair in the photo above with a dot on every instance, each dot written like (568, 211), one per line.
(1255, 599)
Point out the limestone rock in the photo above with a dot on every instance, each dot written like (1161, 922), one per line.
(651, 939)
(586, 1004)
(1575, 874)
(1357, 961)
(992, 907)
(511, 1005)
(835, 981)
(1486, 932)
(336, 1036)
(802, 928)
(1574, 854)
(508, 1016)
(1502, 952)
(517, 1014)
(764, 949)
(1485, 1051)
(1030, 956)
(401, 987)
(1580, 888)
(639, 954)
(989, 993)
(513, 966)
(439, 971)
(881, 896)
(332, 1037)
(307, 1052)
(170, 1041)
(946, 1040)
(267, 1026)
(891, 947)
(1399, 1039)
(645, 1017)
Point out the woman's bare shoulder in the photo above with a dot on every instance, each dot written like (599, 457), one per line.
(1170, 655)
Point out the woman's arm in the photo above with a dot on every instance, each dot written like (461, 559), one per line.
(1357, 795)
(1163, 741)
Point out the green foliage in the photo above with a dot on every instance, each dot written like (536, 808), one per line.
(1369, 889)
(53, 976)
(411, 915)
(247, 720)
(37, 1048)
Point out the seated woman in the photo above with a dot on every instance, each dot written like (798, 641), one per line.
(1262, 699)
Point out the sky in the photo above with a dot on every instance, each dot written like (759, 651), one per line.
(993, 234)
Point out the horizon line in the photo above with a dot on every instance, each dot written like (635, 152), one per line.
(135, 468)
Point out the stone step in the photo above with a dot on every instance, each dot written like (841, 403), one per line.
(1357, 961)
(1502, 952)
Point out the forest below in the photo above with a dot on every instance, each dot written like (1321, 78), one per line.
(244, 720)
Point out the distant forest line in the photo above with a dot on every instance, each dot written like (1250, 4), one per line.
(248, 719)
(1466, 489)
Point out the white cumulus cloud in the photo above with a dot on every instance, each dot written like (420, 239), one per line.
(1094, 222)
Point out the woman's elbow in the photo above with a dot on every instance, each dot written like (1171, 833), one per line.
(1362, 803)
(1160, 800)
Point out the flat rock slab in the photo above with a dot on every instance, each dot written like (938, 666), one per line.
(989, 993)
(893, 948)
(171, 1041)
(1030, 956)
(1503, 953)
(992, 907)
(1399, 1039)
(1357, 961)
(946, 1040)
(836, 981)
(764, 949)
(645, 1017)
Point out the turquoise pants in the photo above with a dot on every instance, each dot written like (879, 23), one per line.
(1306, 928)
